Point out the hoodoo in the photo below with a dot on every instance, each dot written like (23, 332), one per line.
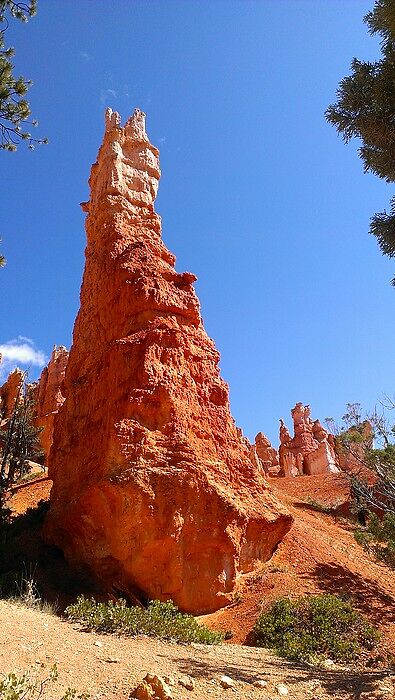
(49, 395)
(153, 488)
(10, 392)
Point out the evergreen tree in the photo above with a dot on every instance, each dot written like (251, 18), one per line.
(14, 108)
(20, 440)
(365, 109)
(373, 499)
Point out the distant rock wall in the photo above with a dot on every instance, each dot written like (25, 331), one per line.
(268, 456)
(311, 450)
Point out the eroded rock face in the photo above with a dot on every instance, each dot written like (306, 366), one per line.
(267, 454)
(9, 393)
(154, 490)
(49, 396)
(310, 451)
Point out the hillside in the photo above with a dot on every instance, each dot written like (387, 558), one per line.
(318, 554)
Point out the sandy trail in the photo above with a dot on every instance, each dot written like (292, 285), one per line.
(109, 667)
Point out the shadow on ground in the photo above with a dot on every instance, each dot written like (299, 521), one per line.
(340, 682)
(367, 595)
(24, 556)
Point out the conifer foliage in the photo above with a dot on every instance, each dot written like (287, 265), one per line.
(14, 108)
(365, 109)
(373, 498)
(19, 443)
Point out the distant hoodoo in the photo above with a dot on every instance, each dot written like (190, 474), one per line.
(10, 392)
(153, 487)
(310, 451)
(49, 396)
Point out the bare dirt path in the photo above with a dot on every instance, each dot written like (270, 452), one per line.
(109, 667)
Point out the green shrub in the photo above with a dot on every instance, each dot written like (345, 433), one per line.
(157, 620)
(314, 626)
(320, 507)
(378, 538)
(29, 686)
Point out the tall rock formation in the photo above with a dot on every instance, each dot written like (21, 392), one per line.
(49, 396)
(9, 393)
(153, 488)
(310, 451)
(267, 454)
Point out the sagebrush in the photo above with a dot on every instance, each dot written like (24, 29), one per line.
(32, 686)
(378, 538)
(311, 627)
(157, 620)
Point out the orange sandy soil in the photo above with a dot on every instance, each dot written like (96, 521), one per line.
(319, 554)
(29, 494)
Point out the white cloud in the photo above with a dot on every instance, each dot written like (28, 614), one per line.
(85, 55)
(106, 95)
(17, 352)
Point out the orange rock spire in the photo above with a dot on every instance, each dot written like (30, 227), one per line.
(154, 489)
(311, 450)
(9, 393)
(49, 395)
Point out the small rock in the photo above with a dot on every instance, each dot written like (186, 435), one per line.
(98, 644)
(111, 660)
(226, 682)
(282, 689)
(142, 692)
(169, 680)
(159, 688)
(187, 682)
(386, 689)
(328, 663)
(260, 683)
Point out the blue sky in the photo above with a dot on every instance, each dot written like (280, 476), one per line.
(259, 197)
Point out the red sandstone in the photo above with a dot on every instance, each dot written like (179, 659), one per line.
(154, 489)
(311, 450)
(267, 454)
(10, 392)
(49, 397)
